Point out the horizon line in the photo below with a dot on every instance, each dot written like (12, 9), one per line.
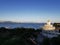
(25, 22)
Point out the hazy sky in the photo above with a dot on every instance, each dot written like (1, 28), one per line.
(30, 10)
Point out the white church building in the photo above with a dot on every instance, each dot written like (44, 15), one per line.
(49, 30)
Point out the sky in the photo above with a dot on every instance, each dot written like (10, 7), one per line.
(30, 10)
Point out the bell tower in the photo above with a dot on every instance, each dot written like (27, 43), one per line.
(48, 22)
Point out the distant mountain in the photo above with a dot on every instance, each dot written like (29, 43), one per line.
(8, 22)
(4, 21)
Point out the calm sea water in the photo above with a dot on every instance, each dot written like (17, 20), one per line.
(25, 25)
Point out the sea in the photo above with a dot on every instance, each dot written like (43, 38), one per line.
(24, 25)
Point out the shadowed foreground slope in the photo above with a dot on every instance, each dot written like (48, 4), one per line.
(24, 36)
(18, 36)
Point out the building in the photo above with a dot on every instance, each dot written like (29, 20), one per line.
(49, 30)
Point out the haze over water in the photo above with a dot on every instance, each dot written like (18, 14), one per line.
(22, 25)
